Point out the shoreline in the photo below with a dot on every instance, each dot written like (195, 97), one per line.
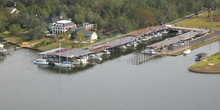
(209, 66)
(203, 72)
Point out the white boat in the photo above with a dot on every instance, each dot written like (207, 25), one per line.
(149, 51)
(95, 57)
(76, 62)
(41, 62)
(1, 45)
(187, 52)
(64, 65)
(179, 32)
(164, 32)
(84, 60)
(106, 52)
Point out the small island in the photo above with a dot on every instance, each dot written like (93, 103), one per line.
(210, 66)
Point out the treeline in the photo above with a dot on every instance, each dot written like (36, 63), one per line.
(109, 15)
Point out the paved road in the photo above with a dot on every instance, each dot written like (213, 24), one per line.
(187, 17)
(194, 42)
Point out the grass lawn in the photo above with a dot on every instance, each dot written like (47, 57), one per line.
(203, 66)
(201, 21)
(64, 44)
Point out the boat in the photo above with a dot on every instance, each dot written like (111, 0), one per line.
(64, 65)
(41, 62)
(179, 32)
(1, 45)
(187, 52)
(3, 51)
(164, 32)
(84, 60)
(95, 57)
(149, 51)
(106, 52)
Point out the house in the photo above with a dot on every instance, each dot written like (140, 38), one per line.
(90, 36)
(62, 26)
(87, 26)
(14, 10)
(51, 21)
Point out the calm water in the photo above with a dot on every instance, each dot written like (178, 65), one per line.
(160, 84)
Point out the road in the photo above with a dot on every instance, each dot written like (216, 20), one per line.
(194, 42)
(187, 17)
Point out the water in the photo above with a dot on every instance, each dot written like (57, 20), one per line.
(160, 84)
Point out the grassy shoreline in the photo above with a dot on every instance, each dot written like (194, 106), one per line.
(210, 66)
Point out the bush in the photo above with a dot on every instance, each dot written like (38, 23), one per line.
(15, 29)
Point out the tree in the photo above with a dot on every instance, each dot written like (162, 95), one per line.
(3, 22)
(99, 34)
(37, 32)
(15, 29)
(80, 37)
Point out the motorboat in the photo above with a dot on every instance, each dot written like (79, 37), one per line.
(41, 62)
(149, 51)
(106, 52)
(187, 52)
(64, 65)
(164, 32)
(76, 62)
(95, 57)
(1, 45)
(84, 60)
(179, 32)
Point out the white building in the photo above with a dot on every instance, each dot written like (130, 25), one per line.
(62, 26)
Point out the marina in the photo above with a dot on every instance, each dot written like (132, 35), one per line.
(70, 57)
(115, 84)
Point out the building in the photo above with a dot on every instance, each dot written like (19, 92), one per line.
(51, 21)
(90, 36)
(63, 26)
(87, 26)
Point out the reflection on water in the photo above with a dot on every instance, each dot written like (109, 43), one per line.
(162, 83)
(2, 57)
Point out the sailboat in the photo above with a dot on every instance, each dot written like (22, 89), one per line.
(63, 64)
(187, 51)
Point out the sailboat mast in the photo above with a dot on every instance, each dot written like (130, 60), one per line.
(59, 50)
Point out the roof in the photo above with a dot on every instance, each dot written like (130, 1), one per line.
(66, 52)
(112, 43)
(50, 51)
(64, 21)
(69, 24)
(86, 33)
(176, 39)
(53, 19)
(74, 53)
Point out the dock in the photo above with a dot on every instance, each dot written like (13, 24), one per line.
(131, 38)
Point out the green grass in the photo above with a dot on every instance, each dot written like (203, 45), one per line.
(202, 21)
(203, 66)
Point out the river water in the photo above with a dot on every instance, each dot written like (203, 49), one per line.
(160, 84)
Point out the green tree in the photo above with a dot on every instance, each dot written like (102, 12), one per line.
(3, 22)
(80, 37)
(37, 32)
(15, 29)
(99, 34)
